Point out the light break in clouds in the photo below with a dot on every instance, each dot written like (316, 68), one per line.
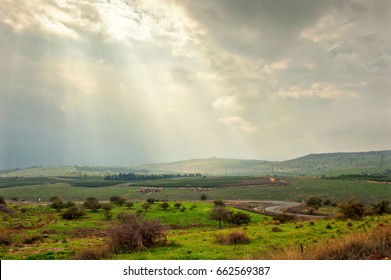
(125, 82)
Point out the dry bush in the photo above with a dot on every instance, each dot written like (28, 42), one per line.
(358, 246)
(31, 239)
(234, 237)
(5, 238)
(135, 234)
(96, 253)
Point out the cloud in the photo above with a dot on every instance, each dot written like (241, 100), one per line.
(317, 90)
(236, 121)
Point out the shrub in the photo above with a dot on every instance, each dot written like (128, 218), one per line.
(73, 212)
(165, 205)
(352, 209)
(57, 203)
(282, 218)
(313, 203)
(219, 203)
(177, 205)
(276, 229)
(382, 207)
(69, 204)
(233, 237)
(135, 234)
(32, 238)
(92, 203)
(146, 206)
(5, 238)
(204, 197)
(129, 205)
(117, 200)
(97, 253)
(151, 200)
(239, 218)
(2, 200)
(107, 208)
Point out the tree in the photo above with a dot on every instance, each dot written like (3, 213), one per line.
(129, 205)
(177, 205)
(118, 200)
(220, 214)
(92, 203)
(151, 200)
(352, 209)
(57, 203)
(313, 203)
(219, 203)
(165, 205)
(107, 208)
(73, 212)
(2, 200)
(204, 197)
(146, 206)
(381, 207)
(240, 218)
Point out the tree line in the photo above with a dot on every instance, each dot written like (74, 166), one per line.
(132, 176)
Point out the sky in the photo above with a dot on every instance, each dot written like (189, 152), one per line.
(115, 82)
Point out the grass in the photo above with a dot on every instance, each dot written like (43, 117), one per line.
(298, 189)
(38, 232)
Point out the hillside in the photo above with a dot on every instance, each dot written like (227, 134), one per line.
(313, 164)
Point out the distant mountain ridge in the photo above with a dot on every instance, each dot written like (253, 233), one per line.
(312, 164)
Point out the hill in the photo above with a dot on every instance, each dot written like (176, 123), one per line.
(329, 164)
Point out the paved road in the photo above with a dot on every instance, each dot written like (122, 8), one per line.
(273, 208)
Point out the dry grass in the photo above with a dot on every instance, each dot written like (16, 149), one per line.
(359, 246)
(236, 236)
(97, 253)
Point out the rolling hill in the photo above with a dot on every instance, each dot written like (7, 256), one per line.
(312, 164)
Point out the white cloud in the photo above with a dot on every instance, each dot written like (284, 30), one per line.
(316, 90)
(236, 121)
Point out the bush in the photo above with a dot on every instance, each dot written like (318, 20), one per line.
(382, 207)
(117, 200)
(32, 239)
(73, 212)
(313, 203)
(177, 205)
(352, 209)
(204, 197)
(69, 204)
(165, 205)
(92, 203)
(276, 229)
(135, 234)
(57, 203)
(240, 218)
(97, 253)
(219, 203)
(151, 200)
(233, 237)
(2, 200)
(282, 218)
(5, 238)
(129, 205)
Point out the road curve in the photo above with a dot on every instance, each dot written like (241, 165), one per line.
(273, 208)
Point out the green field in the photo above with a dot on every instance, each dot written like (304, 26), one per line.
(39, 232)
(227, 188)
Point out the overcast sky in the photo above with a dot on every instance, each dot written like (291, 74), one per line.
(125, 82)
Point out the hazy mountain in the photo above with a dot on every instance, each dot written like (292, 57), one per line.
(313, 164)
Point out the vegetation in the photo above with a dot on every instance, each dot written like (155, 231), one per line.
(352, 209)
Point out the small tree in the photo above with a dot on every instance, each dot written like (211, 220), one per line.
(204, 197)
(129, 205)
(107, 208)
(151, 200)
(219, 214)
(165, 205)
(352, 209)
(73, 212)
(177, 205)
(219, 203)
(118, 200)
(240, 218)
(313, 203)
(92, 203)
(2, 200)
(146, 206)
(381, 207)
(57, 203)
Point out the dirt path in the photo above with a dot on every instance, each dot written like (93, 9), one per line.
(273, 208)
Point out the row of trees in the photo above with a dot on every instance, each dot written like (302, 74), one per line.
(133, 177)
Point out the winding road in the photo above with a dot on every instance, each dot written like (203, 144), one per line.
(273, 208)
